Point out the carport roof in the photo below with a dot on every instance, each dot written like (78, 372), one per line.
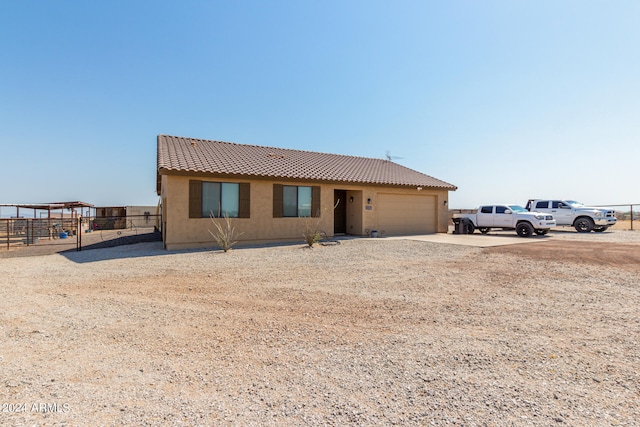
(51, 206)
(179, 155)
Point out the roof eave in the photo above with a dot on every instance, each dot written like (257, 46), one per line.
(187, 172)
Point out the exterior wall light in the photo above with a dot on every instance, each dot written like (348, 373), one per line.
(351, 199)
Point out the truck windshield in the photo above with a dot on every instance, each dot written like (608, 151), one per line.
(574, 204)
(516, 208)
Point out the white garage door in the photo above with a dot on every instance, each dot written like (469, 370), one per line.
(406, 214)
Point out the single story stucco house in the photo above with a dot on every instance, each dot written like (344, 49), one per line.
(268, 193)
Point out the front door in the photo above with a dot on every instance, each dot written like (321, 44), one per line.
(340, 212)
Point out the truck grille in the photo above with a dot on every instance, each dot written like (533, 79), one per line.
(611, 214)
(548, 217)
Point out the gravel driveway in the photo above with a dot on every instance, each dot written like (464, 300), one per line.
(364, 332)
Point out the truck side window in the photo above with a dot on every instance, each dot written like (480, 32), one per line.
(486, 209)
(542, 205)
(556, 204)
(500, 209)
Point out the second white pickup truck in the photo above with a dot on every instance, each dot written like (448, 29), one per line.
(507, 217)
(569, 212)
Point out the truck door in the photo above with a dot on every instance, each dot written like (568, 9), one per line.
(561, 212)
(484, 216)
(545, 206)
(503, 217)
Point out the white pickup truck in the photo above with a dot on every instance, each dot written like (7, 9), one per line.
(569, 212)
(507, 217)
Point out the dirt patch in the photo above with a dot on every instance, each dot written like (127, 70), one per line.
(614, 255)
(626, 224)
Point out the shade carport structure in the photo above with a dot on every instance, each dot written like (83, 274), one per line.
(47, 221)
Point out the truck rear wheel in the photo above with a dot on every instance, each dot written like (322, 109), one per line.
(583, 224)
(524, 229)
(470, 228)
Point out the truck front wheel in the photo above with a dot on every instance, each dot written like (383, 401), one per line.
(484, 230)
(524, 229)
(584, 225)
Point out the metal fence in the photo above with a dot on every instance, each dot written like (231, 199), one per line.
(31, 231)
(18, 233)
(123, 222)
(630, 216)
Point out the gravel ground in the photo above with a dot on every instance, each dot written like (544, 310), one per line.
(364, 332)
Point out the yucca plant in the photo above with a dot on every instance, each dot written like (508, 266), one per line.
(224, 234)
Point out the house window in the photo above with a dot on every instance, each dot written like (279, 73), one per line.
(218, 199)
(296, 201)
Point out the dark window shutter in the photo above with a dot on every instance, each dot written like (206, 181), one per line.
(195, 199)
(315, 202)
(277, 200)
(245, 200)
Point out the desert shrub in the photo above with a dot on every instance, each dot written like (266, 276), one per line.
(311, 233)
(224, 233)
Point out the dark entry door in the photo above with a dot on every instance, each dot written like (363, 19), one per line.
(340, 212)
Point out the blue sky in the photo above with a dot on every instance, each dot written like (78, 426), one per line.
(507, 100)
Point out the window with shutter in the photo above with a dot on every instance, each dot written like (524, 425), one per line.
(296, 201)
(219, 199)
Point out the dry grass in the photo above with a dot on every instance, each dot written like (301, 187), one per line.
(626, 225)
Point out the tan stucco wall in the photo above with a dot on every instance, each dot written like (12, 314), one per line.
(182, 232)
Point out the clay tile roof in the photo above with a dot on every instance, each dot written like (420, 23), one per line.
(178, 154)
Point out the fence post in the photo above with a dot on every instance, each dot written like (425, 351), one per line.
(7, 234)
(631, 210)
